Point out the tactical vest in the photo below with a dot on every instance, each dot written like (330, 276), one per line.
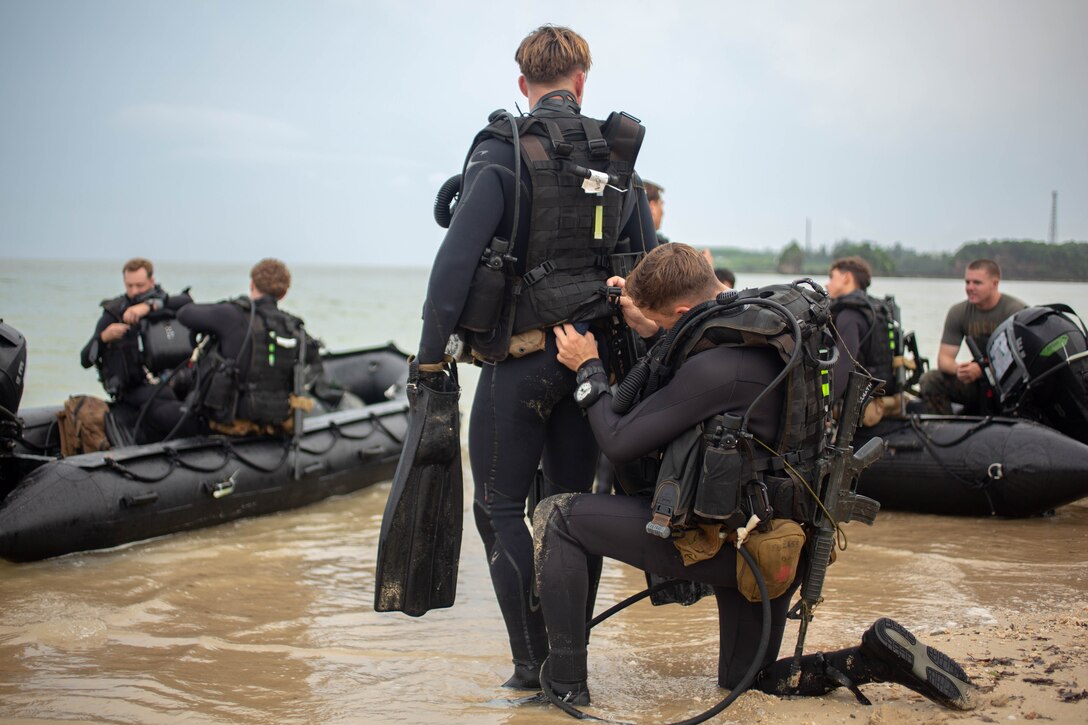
(159, 343)
(572, 232)
(718, 472)
(256, 391)
(880, 350)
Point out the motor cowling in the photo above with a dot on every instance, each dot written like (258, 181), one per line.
(12, 369)
(1039, 358)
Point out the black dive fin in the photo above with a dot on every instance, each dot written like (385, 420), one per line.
(420, 542)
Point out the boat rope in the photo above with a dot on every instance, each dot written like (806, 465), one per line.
(982, 485)
(115, 465)
(269, 469)
(174, 453)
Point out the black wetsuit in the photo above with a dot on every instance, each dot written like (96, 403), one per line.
(132, 396)
(853, 326)
(592, 525)
(523, 414)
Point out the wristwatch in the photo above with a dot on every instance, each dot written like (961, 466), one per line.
(587, 393)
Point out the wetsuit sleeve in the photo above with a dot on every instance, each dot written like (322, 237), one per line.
(477, 220)
(214, 319)
(176, 302)
(718, 380)
(852, 326)
(88, 357)
(639, 227)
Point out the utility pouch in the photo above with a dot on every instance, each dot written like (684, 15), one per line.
(220, 401)
(165, 344)
(777, 553)
(527, 342)
(488, 290)
(677, 480)
(82, 425)
(493, 345)
(718, 497)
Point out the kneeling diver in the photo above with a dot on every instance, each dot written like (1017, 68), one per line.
(711, 381)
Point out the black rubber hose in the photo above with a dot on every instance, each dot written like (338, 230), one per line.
(446, 200)
(740, 689)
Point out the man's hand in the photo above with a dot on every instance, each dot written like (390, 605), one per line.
(968, 372)
(135, 313)
(574, 349)
(114, 331)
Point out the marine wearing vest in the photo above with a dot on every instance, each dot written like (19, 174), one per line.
(150, 348)
(527, 246)
(253, 387)
(882, 344)
(250, 357)
(565, 260)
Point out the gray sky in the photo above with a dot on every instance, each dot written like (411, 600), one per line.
(319, 131)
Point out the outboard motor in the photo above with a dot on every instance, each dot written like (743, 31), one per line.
(1039, 358)
(12, 370)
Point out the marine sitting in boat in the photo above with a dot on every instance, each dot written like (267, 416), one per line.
(973, 321)
(248, 367)
(138, 382)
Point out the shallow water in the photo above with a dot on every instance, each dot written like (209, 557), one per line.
(271, 619)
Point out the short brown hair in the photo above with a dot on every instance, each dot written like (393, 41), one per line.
(653, 191)
(552, 52)
(988, 266)
(670, 274)
(271, 277)
(856, 266)
(139, 263)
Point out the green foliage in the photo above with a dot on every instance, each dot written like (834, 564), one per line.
(1019, 259)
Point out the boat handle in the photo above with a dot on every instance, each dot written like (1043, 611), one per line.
(139, 499)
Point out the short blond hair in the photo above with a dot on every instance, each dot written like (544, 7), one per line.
(552, 52)
(271, 277)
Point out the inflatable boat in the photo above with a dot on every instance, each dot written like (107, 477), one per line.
(1027, 458)
(52, 505)
(974, 466)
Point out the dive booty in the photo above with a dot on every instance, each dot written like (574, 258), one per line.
(973, 466)
(896, 655)
(526, 676)
(57, 505)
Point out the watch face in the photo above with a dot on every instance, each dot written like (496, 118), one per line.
(583, 391)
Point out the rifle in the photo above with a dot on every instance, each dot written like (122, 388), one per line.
(838, 503)
(625, 346)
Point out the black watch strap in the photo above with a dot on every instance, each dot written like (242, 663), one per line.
(588, 369)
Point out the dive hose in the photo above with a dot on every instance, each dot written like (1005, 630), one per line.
(742, 686)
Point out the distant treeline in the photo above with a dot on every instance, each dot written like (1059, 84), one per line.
(1019, 259)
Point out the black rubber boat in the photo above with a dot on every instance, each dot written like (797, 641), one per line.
(974, 466)
(52, 505)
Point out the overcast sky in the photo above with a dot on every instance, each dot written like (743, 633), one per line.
(320, 130)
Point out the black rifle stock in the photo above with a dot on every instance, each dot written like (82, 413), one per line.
(840, 501)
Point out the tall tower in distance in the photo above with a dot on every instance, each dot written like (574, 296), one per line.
(1053, 217)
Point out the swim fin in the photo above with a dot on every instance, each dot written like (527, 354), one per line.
(419, 546)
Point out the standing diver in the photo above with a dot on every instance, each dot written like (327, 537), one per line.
(546, 198)
(717, 377)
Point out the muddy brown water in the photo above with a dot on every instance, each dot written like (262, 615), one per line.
(271, 619)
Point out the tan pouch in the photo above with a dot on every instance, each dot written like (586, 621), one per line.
(699, 544)
(526, 342)
(777, 553)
